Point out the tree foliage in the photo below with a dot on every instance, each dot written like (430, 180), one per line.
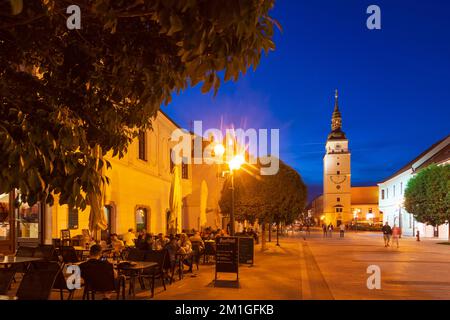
(64, 92)
(277, 198)
(427, 195)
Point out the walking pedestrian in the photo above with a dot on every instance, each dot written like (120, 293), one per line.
(396, 233)
(387, 232)
(330, 230)
(342, 230)
(324, 228)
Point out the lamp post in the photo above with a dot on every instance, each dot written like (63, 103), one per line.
(234, 164)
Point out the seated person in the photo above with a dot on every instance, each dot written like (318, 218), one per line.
(197, 238)
(129, 238)
(172, 248)
(88, 268)
(186, 248)
(160, 242)
(116, 243)
(148, 243)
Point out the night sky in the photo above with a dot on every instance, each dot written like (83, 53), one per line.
(394, 85)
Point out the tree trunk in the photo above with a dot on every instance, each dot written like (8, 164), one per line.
(263, 236)
(270, 231)
(278, 234)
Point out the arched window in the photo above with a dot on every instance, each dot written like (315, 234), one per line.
(141, 219)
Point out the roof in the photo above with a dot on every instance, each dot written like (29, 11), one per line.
(426, 163)
(337, 135)
(364, 195)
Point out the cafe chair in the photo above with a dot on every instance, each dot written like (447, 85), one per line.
(98, 278)
(24, 251)
(6, 279)
(135, 254)
(46, 252)
(158, 256)
(65, 238)
(37, 283)
(69, 255)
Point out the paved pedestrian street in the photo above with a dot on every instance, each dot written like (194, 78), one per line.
(330, 268)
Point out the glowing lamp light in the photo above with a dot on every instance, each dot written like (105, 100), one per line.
(369, 216)
(236, 162)
(219, 149)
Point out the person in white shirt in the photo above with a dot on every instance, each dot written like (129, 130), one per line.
(129, 238)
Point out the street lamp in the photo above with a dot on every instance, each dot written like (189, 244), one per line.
(234, 164)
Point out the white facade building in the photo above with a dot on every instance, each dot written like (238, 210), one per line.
(391, 193)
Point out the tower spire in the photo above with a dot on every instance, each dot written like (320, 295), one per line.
(336, 96)
(336, 119)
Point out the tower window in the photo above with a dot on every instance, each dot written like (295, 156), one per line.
(338, 209)
(338, 199)
(338, 163)
(338, 172)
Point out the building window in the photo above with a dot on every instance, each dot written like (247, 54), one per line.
(73, 218)
(184, 169)
(29, 218)
(338, 210)
(387, 193)
(142, 146)
(338, 199)
(382, 194)
(141, 219)
(370, 210)
(394, 191)
(338, 163)
(401, 188)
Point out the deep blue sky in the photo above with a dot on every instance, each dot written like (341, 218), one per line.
(394, 85)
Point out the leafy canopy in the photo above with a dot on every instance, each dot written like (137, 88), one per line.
(427, 195)
(278, 198)
(64, 92)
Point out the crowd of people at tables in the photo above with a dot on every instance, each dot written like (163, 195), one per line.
(180, 243)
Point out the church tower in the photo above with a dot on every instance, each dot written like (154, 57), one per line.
(336, 173)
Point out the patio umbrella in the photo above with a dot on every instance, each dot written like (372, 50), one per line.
(97, 218)
(203, 204)
(175, 202)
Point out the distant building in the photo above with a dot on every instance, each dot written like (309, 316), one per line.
(391, 192)
(365, 205)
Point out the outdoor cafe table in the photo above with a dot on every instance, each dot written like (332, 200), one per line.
(134, 269)
(8, 261)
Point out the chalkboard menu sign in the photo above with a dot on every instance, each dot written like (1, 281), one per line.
(227, 255)
(246, 250)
